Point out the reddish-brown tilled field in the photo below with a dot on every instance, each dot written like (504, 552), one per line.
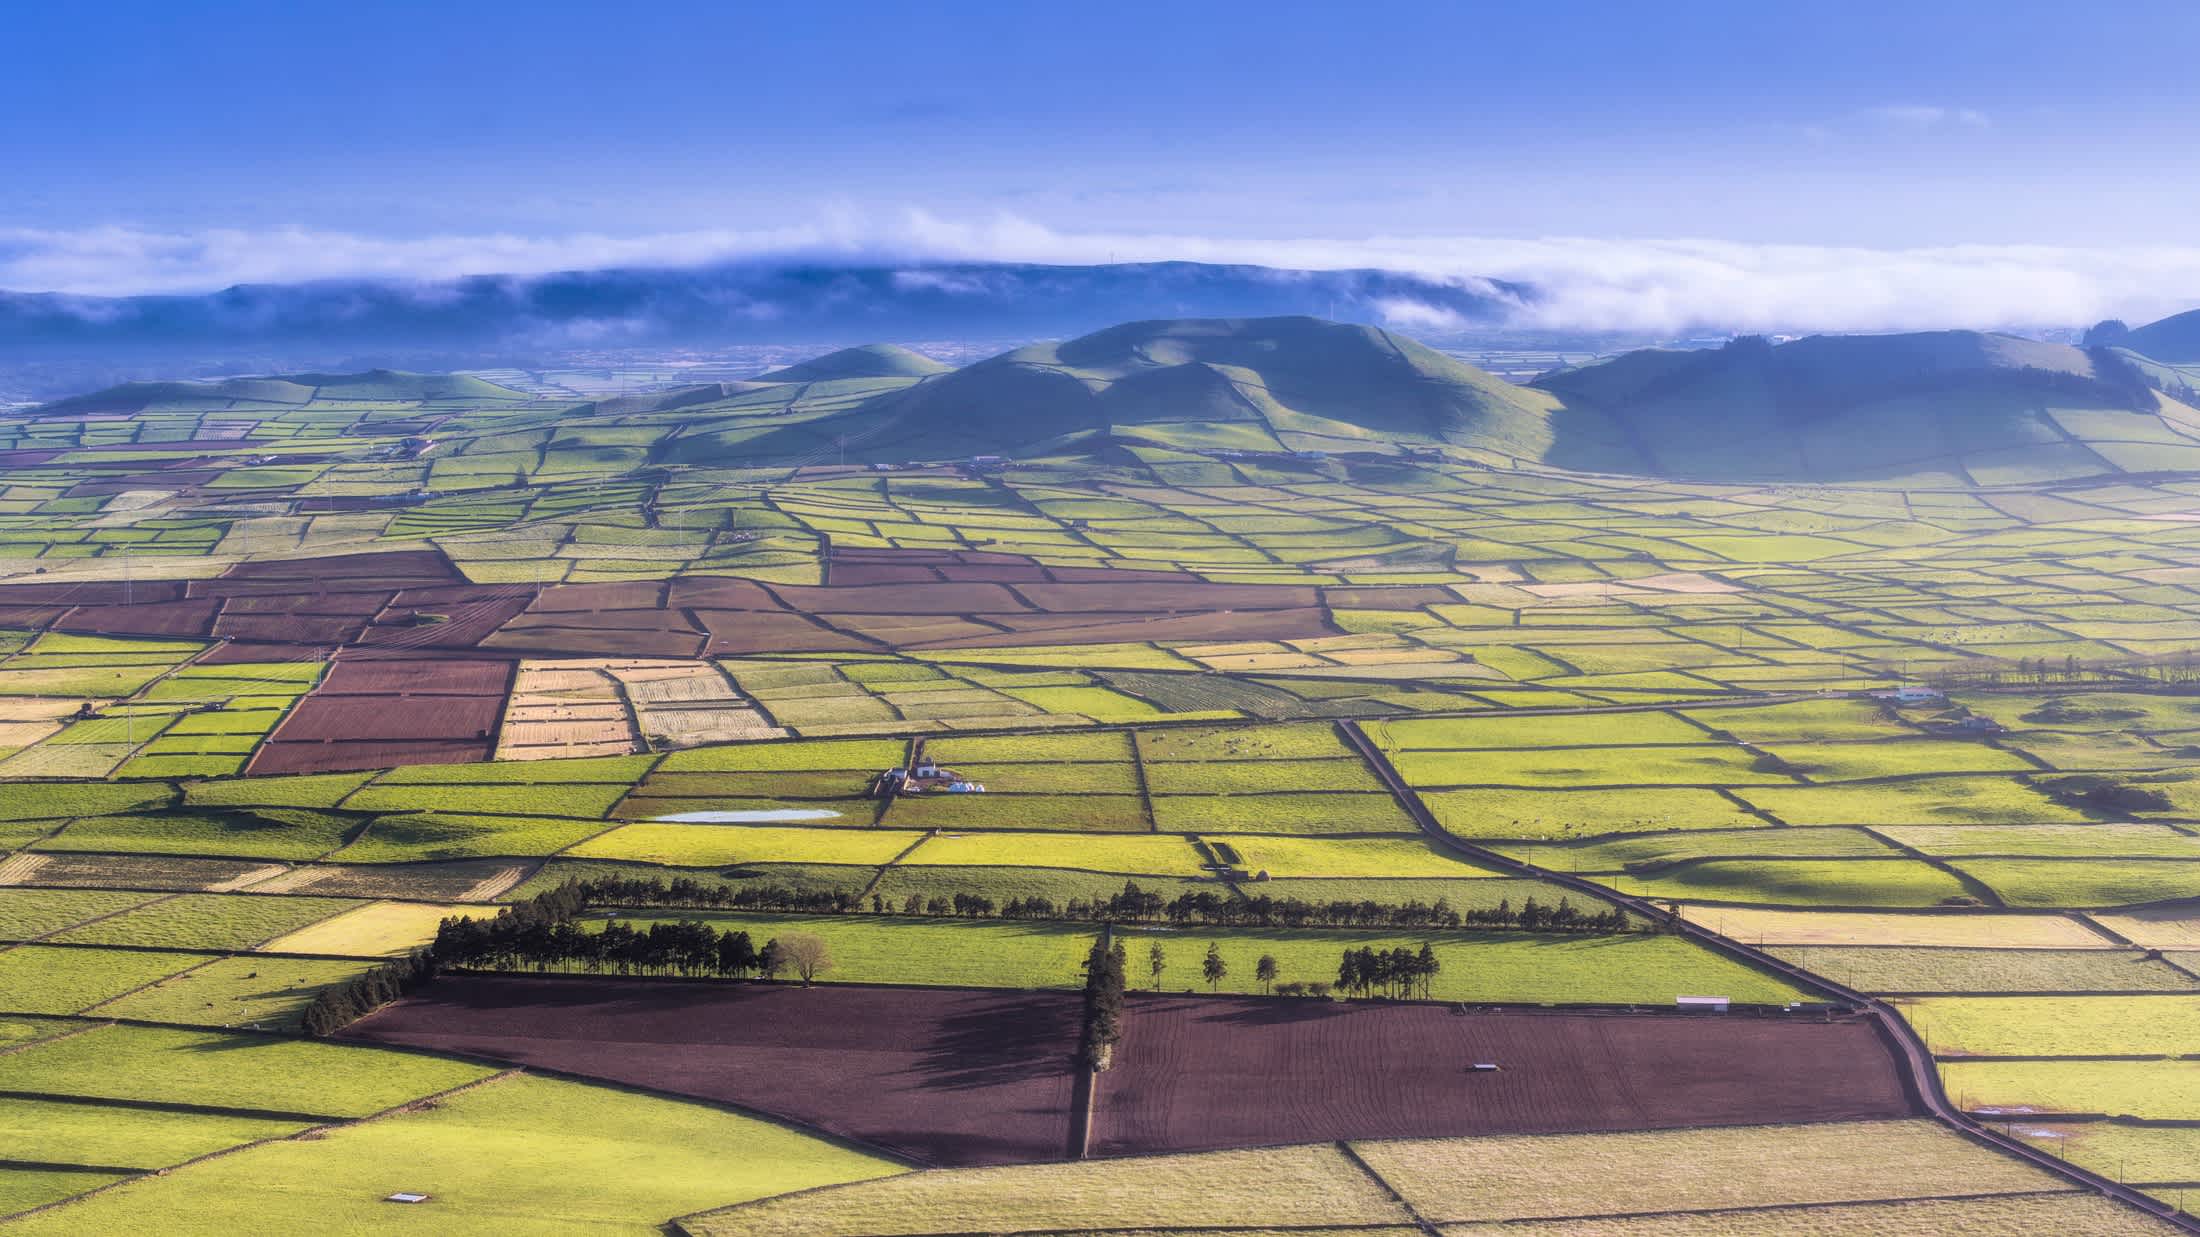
(940, 1075)
(1196, 1073)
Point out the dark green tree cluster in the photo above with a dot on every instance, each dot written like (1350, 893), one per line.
(1533, 916)
(339, 1005)
(685, 948)
(1396, 973)
(1204, 907)
(686, 891)
(1105, 979)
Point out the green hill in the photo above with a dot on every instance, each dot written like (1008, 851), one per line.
(1949, 406)
(1264, 383)
(868, 361)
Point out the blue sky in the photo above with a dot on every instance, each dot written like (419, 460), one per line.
(484, 131)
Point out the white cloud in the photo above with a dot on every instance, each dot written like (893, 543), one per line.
(1582, 283)
(1411, 315)
(1928, 116)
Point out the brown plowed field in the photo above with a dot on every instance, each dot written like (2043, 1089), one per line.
(321, 717)
(436, 678)
(941, 1075)
(1195, 1073)
(369, 754)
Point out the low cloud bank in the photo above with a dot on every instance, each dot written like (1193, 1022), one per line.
(1579, 283)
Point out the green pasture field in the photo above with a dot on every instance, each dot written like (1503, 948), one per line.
(1001, 882)
(2007, 1090)
(1473, 893)
(24, 1188)
(1093, 814)
(1133, 854)
(1644, 854)
(222, 1069)
(1808, 721)
(819, 877)
(29, 913)
(49, 979)
(1990, 1026)
(843, 813)
(1697, 765)
(2072, 841)
(211, 921)
(1373, 857)
(1556, 814)
(1258, 777)
(407, 837)
(2132, 1153)
(1878, 758)
(1327, 813)
(1037, 778)
(1802, 882)
(1917, 801)
(279, 833)
(56, 800)
(847, 785)
(1477, 966)
(867, 755)
(1914, 969)
(250, 991)
(891, 949)
(625, 1162)
(1110, 746)
(600, 769)
(2086, 882)
(305, 790)
(717, 845)
(1297, 741)
(1633, 729)
(588, 801)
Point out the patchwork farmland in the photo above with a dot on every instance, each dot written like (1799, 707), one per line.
(1901, 768)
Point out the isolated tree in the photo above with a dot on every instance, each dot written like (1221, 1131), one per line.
(1157, 961)
(806, 953)
(1265, 971)
(1213, 968)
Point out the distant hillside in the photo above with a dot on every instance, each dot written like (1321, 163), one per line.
(867, 361)
(2175, 340)
(1948, 408)
(1950, 405)
(1268, 384)
(371, 386)
(498, 320)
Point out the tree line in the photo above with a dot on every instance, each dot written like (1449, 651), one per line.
(540, 933)
(1105, 981)
(1132, 905)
